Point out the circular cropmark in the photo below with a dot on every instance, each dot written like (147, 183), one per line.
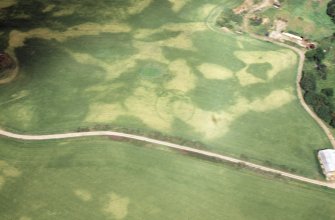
(174, 104)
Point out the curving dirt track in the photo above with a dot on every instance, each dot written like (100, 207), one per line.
(166, 144)
(197, 151)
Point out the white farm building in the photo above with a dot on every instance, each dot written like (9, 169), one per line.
(327, 161)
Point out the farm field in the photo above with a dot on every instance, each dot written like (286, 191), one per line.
(155, 66)
(305, 17)
(103, 179)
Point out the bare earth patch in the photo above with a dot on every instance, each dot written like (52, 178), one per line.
(184, 79)
(7, 171)
(275, 58)
(7, 3)
(117, 206)
(177, 5)
(83, 195)
(17, 38)
(214, 71)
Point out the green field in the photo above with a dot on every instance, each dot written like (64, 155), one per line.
(103, 179)
(154, 66)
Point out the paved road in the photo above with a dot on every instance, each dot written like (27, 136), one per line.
(167, 144)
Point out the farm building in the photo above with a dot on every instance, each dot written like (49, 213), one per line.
(327, 161)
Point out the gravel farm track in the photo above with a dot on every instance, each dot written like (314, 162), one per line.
(207, 154)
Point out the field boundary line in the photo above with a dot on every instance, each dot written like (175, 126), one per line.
(166, 144)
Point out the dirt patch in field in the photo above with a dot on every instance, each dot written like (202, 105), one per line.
(7, 3)
(174, 104)
(100, 112)
(7, 171)
(141, 105)
(177, 5)
(212, 129)
(117, 206)
(182, 41)
(113, 69)
(17, 38)
(83, 195)
(279, 60)
(149, 51)
(64, 12)
(138, 6)
(214, 71)
(187, 28)
(183, 77)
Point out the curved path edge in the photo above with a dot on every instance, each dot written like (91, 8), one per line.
(210, 22)
(208, 154)
(169, 145)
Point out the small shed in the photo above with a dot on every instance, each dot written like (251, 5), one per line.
(327, 161)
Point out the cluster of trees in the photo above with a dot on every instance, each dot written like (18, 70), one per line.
(321, 101)
(331, 10)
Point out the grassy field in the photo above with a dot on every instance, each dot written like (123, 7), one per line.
(305, 17)
(104, 179)
(155, 66)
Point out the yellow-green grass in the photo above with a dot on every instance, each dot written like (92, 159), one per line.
(159, 69)
(103, 179)
(305, 17)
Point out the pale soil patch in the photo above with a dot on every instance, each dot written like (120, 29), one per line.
(279, 60)
(23, 113)
(182, 41)
(48, 8)
(113, 70)
(205, 10)
(7, 171)
(141, 105)
(117, 206)
(83, 195)
(174, 104)
(275, 100)
(280, 25)
(177, 5)
(184, 79)
(214, 71)
(149, 51)
(7, 3)
(11, 76)
(188, 28)
(64, 12)
(100, 112)
(138, 6)
(11, 172)
(246, 78)
(215, 128)
(244, 7)
(17, 38)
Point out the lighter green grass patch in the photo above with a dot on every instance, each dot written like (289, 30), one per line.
(7, 3)
(183, 76)
(275, 58)
(83, 195)
(177, 5)
(213, 71)
(117, 206)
